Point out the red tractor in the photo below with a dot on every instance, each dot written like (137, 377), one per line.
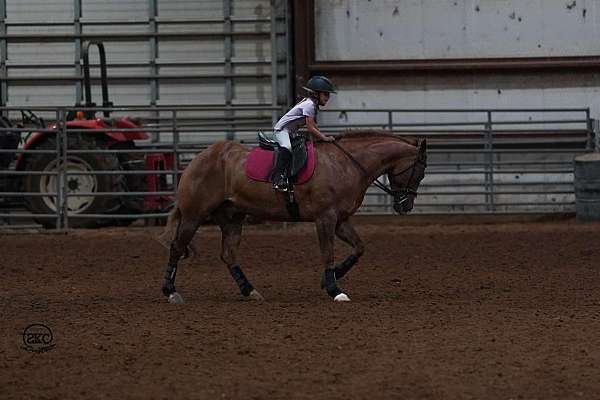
(77, 164)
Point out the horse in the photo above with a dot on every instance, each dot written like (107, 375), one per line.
(215, 187)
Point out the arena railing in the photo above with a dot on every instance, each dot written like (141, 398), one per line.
(505, 161)
(165, 126)
(485, 160)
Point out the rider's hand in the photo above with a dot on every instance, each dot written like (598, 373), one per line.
(328, 139)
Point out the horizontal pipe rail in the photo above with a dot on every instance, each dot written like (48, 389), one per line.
(21, 173)
(158, 20)
(458, 110)
(426, 184)
(121, 216)
(140, 77)
(25, 216)
(28, 194)
(129, 36)
(125, 194)
(498, 193)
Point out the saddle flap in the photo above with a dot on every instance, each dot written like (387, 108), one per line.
(259, 164)
(299, 155)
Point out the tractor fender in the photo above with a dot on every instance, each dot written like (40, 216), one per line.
(107, 123)
(98, 123)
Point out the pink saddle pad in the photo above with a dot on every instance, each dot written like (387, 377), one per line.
(260, 161)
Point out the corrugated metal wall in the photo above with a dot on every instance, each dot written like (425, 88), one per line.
(159, 52)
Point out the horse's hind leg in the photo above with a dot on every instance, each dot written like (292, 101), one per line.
(231, 230)
(346, 232)
(186, 229)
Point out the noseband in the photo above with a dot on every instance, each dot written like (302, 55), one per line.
(400, 195)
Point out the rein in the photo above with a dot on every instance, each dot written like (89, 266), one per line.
(402, 194)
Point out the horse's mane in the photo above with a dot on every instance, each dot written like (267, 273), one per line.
(375, 133)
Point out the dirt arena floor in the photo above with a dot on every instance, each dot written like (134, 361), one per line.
(442, 308)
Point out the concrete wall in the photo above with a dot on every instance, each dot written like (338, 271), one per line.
(460, 29)
(527, 89)
(434, 29)
(430, 30)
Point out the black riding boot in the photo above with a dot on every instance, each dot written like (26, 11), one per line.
(279, 177)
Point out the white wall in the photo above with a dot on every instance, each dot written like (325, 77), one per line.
(474, 90)
(445, 29)
(452, 29)
(379, 30)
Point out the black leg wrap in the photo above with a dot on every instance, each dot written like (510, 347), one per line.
(168, 283)
(345, 266)
(330, 285)
(240, 279)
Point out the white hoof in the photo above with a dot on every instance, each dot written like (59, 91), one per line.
(175, 298)
(341, 297)
(255, 295)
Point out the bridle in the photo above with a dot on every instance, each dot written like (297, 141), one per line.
(400, 195)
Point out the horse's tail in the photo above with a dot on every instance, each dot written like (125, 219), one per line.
(168, 234)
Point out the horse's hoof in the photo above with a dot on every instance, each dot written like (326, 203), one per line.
(255, 295)
(175, 298)
(341, 297)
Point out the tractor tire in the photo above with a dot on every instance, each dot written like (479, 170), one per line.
(75, 183)
(133, 183)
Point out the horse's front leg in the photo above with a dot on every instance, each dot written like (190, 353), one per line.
(326, 231)
(346, 232)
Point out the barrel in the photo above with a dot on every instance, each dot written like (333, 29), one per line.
(587, 187)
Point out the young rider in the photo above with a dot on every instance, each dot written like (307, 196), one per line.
(303, 113)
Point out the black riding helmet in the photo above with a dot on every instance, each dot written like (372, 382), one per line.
(319, 84)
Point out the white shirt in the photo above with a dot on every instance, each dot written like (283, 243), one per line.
(296, 117)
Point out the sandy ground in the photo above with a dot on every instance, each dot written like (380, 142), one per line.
(442, 308)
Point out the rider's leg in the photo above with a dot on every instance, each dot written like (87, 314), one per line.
(279, 177)
(284, 156)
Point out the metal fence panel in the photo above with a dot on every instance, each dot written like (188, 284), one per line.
(487, 166)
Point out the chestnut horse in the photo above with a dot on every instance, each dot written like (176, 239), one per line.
(214, 185)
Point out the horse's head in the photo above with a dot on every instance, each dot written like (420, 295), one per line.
(404, 180)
